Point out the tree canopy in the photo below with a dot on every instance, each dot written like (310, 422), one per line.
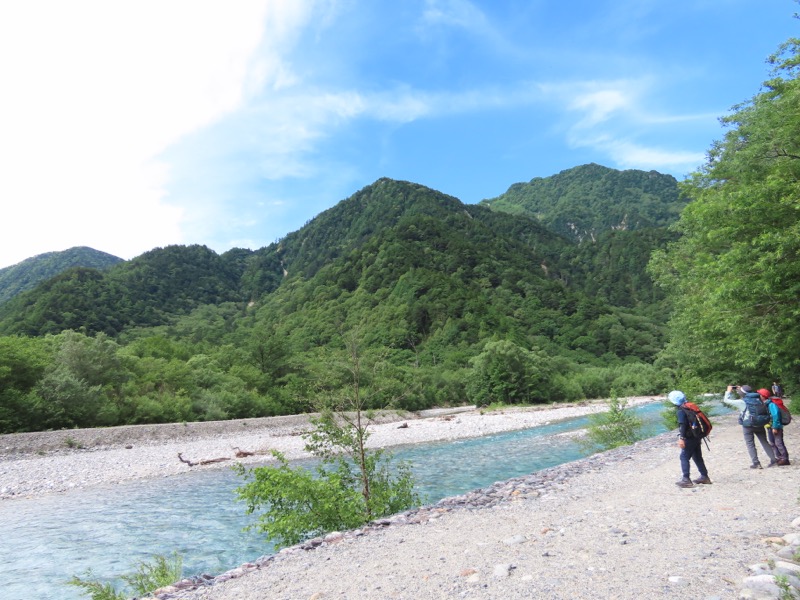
(734, 274)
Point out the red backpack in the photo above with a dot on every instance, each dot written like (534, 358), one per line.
(698, 421)
(786, 416)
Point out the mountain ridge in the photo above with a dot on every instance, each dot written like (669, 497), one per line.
(438, 292)
(586, 200)
(28, 273)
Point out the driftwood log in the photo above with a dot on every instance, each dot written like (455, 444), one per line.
(206, 461)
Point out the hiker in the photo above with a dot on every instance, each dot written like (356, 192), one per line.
(775, 428)
(691, 446)
(777, 389)
(753, 419)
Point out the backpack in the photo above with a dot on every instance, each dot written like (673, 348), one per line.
(699, 424)
(786, 416)
(756, 412)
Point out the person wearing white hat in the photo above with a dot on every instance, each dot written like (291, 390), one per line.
(691, 447)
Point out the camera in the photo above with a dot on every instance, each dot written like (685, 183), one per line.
(735, 387)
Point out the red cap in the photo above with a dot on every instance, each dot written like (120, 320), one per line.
(765, 392)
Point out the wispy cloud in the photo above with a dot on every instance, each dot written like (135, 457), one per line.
(456, 13)
(606, 116)
(612, 118)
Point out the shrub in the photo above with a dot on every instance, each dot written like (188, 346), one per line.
(617, 426)
(148, 576)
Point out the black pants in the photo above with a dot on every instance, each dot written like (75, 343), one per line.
(775, 437)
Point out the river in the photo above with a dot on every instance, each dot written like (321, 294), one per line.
(47, 540)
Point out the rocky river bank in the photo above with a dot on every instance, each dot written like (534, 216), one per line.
(613, 525)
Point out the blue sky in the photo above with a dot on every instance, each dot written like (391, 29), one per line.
(130, 125)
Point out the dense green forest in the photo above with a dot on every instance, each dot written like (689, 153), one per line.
(457, 303)
(734, 272)
(27, 274)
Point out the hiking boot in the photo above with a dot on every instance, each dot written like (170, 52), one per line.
(755, 466)
(703, 480)
(772, 464)
(783, 463)
(684, 483)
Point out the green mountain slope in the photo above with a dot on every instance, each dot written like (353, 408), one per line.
(428, 274)
(387, 208)
(30, 272)
(421, 267)
(585, 201)
(148, 290)
(450, 303)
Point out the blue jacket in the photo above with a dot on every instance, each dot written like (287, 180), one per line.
(775, 413)
(683, 424)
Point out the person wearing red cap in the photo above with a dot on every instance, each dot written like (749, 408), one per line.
(775, 428)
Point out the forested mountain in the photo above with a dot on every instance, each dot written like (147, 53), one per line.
(145, 291)
(585, 201)
(32, 271)
(459, 303)
(614, 267)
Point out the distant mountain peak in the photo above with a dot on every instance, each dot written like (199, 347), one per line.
(27, 274)
(585, 201)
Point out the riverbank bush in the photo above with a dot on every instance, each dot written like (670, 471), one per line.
(618, 426)
(352, 485)
(149, 575)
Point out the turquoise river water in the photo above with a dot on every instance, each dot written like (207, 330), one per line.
(44, 541)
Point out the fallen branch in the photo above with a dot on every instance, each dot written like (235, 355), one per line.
(207, 461)
(242, 453)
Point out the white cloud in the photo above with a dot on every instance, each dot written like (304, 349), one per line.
(610, 116)
(93, 91)
(288, 125)
(628, 154)
(598, 106)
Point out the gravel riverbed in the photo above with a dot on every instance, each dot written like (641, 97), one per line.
(613, 525)
(59, 461)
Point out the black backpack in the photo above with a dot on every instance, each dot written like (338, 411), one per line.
(756, 412)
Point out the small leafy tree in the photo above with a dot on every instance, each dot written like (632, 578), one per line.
(507, 373)
(617, 426)
(351, 485)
